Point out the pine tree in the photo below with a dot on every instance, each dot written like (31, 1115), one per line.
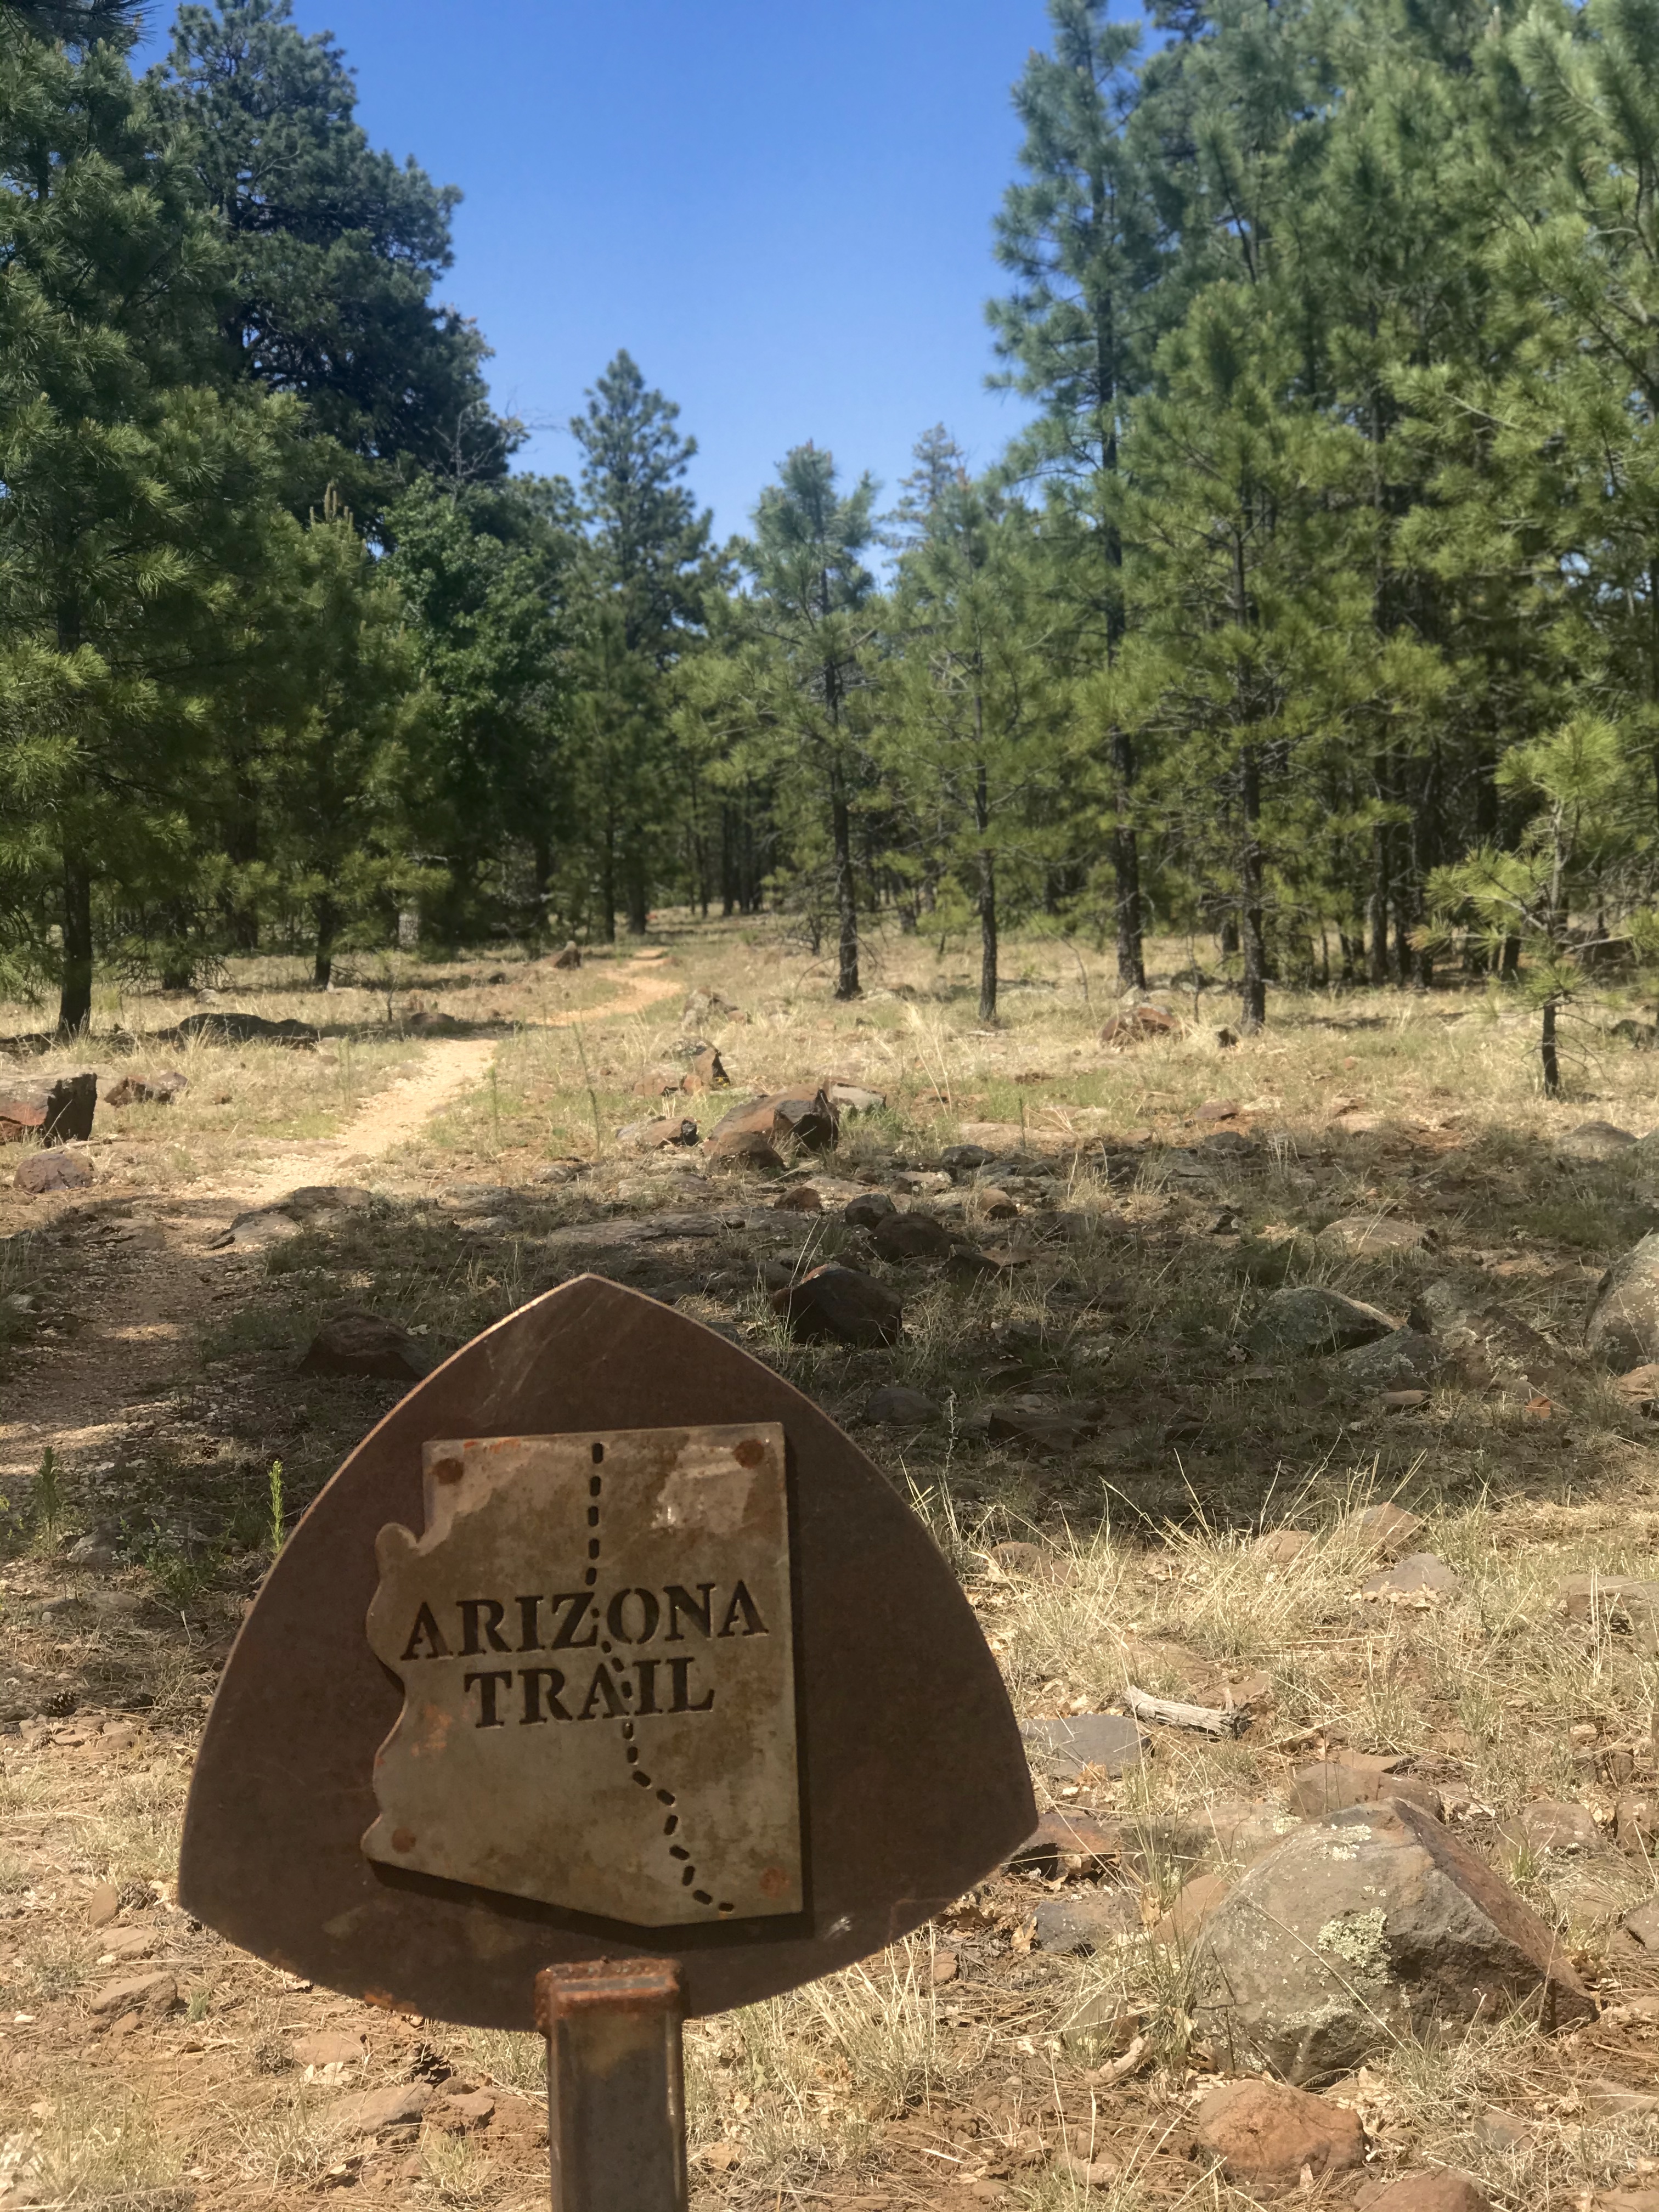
(1081, 238)
(336, 249)
(646, 571)
(130, 484)
(971, 703)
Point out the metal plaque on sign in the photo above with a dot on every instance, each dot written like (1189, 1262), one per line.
(594, 1638)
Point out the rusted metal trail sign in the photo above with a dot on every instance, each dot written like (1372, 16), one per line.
(606, 1682)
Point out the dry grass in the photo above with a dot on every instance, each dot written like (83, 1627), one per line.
(885, 2081)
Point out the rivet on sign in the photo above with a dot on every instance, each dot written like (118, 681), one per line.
(404, 1840)
(749, 1453)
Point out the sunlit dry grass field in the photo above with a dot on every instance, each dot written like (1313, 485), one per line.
(1100, 1453)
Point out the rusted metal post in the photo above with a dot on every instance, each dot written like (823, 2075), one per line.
(616, 2088)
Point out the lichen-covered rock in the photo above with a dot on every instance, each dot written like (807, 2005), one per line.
(1308, 1321)
(1623, 1328)
(1359, 1928)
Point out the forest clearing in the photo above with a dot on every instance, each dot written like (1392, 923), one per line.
(1082, 1404)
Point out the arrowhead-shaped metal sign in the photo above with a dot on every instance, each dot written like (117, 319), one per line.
(606, 1642)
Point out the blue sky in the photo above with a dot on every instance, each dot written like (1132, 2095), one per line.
(782, 207)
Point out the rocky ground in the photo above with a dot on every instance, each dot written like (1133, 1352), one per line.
(1268, 1397)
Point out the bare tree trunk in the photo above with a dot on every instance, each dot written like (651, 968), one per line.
(1377, 920)
(1546, 1052)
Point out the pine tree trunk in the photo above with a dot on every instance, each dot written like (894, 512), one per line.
(847, 916)
(1378, 919)
(1252, 998)
(988, 904)
(74, 991)
(328, 926)
(1126, 871)
(1546, 1054)
(608, 886)
(638, 915)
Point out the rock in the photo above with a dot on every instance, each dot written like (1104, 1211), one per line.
(1227, 1144)
(1445, 2191)
(247, 1029)
(372, 2110)
(152, 1992)
(854, 1099)
(1330, 1785)
(896, 1407)
(1279, 1547)
(1503, 2132)
(1062, 1749)
(842, 1304)
(1419, 1570)
(1404, 1359)
(802, 1199)
(1404, 1401)
(808, 1117)
(1643, 1925)
(1589, 1891)
(1043, 1427)
(1069, 1843)
(1363, 1927)
(1623, 1328)
(658, 1136)
(1198, 1898)
(1137, 1025)
(963, 1159)
(1548, 1825)
(1596, 1140)
(1308, 1321)
(746, 1148)
(993, 1205)
(103, 1903)
(1226, 1039)
(59, 1110)
(364, 1344)
(1636, 1823)
(570, 957)
(123, 1944)
(1217, 1109)
(1245, 1832)
(1087, 1920)
(147, 1089)
(460, 2111)
(45, 1172)
(1375, 1234)
(328, 2049)
(868, 1208)
(1382, 1530)
(1264, 2132)
(705, 1073)
(1620, 1605)
(911, 1236)
(1641, 1385)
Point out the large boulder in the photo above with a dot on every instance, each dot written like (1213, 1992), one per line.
(366, 1345)
(1404, 1359)
(246, 1029)
(1359, 1928)
(1623, 1328)
(44, 1172)
(57, 1108)
(841, 1304)
(808, 1116)
(1309, 1321)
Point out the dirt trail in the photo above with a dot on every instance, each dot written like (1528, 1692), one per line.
(147, 1286)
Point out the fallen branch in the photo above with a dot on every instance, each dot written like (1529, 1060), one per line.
(1118, 2069)
(1212, 1720)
